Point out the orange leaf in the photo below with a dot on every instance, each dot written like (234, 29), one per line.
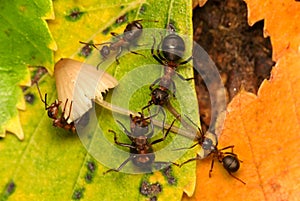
(281, 22)
(265, 131)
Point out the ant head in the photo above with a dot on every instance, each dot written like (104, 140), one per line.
(231, 163)
(133, 30)
(139, 126)
(105, 51)
(159, 96)
(53, 110)
(173, 47)
(208, 144)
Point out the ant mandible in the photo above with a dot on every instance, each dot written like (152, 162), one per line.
(53, 111)
(129, 37)
(141, 151)
(229, 160)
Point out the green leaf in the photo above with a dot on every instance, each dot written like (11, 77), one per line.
(53, 164)
(25, 40)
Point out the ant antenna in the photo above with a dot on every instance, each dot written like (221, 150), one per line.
(44, 101)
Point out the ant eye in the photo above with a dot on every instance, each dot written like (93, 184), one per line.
(51, 114)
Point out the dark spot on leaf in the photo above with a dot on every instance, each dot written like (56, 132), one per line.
(88, 178)
(78, 194)
(74, 14)
(9, 189)
(150, 190)
(122, 7)
(154, 198)
(142, 9)
(122, 19)
(86, 50)
(29, 98)
(106, 31)
(168, 173)
(91, 166)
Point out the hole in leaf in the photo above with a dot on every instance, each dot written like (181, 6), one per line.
(240, 52)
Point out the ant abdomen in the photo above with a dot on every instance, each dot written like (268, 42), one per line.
(133, 30)
(173, 47)
(231, 163)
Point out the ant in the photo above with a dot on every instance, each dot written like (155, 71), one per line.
(53, 110)
(141, 151)
(230, 160)
(173, 48)
(131, 33)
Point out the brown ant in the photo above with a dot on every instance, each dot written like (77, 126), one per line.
(131, 33)
(141, 151)
(173, 48)
(53, 111)
(230, 160)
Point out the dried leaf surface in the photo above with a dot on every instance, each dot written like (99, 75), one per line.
(281, 20)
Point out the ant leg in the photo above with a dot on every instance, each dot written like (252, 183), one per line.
(190, 160)
(199, 129)
(186, 79)
(147, 106)
(46, 105)
(90, 44)
(118, 55)
(158, 50)
(150, 133)
(186, 61)
(186, 147)
(133, 52)
(211, 167)
(157, 58)
(120, 143)
(44, 101)
(97, 67)
(161, 164)
(63, 112)
(120, 167)
(165, 135)
(136, 53)
(230, 153)
(69, 111)
(124, 128)
(236, 178)
(153, 83)
(228, 147)
(174, 88)
(164, 119)
(114, 34)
